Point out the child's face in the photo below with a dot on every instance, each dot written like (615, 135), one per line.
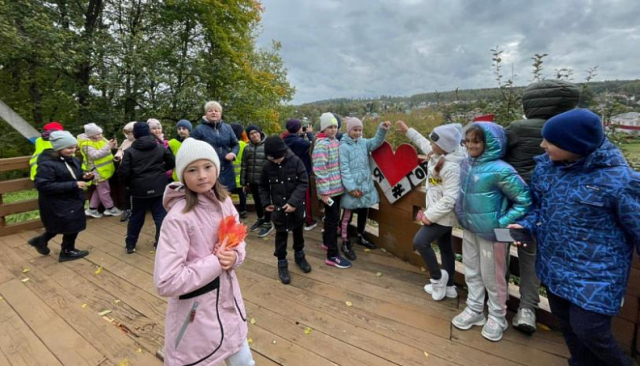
(274, 160)
(255, 136)
(475, 145)
(156, 131)
(200, 176)
(437, 149)
(557, 154)
(183, 132)
(331, 131)
(355, 133)
(129, 135)
(68, 152)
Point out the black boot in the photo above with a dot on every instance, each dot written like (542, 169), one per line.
(366, 243)
(301, 261)
(347, 249)
(39, 243)
(72, 254)
(283, 271)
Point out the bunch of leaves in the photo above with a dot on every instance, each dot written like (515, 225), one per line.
(231, 230)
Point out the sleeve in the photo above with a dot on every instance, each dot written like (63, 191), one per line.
(265, 188)
(377, 140)
(169, 160)
(345, 168)
(450, 175)
(530, 221)
(233, 142)
(517, 191)
(197, 133)
(172, 276)
(95, 154)
(241, 248)
(243, 167)
(124, 171)
(420, 141)
(46, 183)
(299, 194)
(628, 210)
(320, 157)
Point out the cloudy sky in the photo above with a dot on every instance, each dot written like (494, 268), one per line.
(359, 48)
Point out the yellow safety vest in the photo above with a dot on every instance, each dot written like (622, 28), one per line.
(41, 145)
(175, 145)
(104, 165)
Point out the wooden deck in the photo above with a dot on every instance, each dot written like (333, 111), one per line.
(375, 313)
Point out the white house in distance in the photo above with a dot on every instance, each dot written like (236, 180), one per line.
(626, 122)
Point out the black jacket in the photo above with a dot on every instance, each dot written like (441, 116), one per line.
(143, 168)
(253, 158)
(300, 145)
(60, 201)
(281, 184)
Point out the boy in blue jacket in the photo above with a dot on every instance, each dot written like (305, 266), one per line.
(586, 218)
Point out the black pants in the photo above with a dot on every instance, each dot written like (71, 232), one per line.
(262, 214)
(139, 207)
(331, 219)
(422, 243)
(588, 334)
(68, 240)
(242, 197)
(347, 215)
(281, 241)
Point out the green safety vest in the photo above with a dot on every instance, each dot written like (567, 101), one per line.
(104, 165)
(237, 164)
(41, 145)
(174, 145)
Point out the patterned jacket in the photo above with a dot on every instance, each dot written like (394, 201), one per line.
(586, 218)
(326, 166)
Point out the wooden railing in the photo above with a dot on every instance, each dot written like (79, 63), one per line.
(15, 185)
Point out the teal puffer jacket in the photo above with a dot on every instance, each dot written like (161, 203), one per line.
(355, 170)
(492, 194)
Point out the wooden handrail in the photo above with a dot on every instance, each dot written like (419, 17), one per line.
(16, 185)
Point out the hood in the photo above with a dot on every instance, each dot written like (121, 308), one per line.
(175, 192)
(456, 156)
(348, 140)
(495, 141)
(548, 98)
(148, 142)
(606, 156)
(82, 137)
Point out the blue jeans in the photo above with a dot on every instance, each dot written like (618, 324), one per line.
(139, 207)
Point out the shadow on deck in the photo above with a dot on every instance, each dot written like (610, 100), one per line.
(103, 310)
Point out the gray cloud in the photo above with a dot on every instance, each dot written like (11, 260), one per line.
(358, 48)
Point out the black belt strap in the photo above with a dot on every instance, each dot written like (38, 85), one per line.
(213, 285)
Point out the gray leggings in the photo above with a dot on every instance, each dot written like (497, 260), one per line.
(422, 243)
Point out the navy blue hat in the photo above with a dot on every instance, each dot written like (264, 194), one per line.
(252, 128)
(579, 131)
(184, 123)
(237, 130)
(293, 125)
(141, 129)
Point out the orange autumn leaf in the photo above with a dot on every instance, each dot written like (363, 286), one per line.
(233, 231)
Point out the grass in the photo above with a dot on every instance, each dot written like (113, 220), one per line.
(633, 150)
(17, 197)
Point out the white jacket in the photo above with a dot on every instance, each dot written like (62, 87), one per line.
(443, 188)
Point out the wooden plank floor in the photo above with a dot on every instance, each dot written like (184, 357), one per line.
(375, 313)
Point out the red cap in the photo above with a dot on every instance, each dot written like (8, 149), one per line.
(485, 118)
(53, 126)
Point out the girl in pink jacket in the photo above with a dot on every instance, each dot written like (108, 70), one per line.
(206, 318)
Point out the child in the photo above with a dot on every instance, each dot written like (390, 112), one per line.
(237, 167)
(42, 143)
(156, 131)
(358, 180)
(586, 218)
(300, 143)
(283, 183)
(183, 128)
(326, 166)
(492, 195)
(126, 196)
(143, 172)
(253, 159)
(97, 158)
(60, 185)
(443, 187)
(206, 318)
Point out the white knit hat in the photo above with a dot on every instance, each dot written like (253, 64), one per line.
(327, 119)
(92, 129)
(447, 137)
(192, 150)
(154, 123)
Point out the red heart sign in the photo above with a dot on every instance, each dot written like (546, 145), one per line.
(395, 166)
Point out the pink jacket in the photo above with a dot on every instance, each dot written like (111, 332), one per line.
(208, 328)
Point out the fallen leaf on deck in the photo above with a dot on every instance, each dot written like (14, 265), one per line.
(1, 298)
(250, 341)
(426, 354)
(152, 252)
(543, 327)
(367, 250)
(423, 269)
(25, 280)
(31, 261)
(378, 274)
(116, 302)
(26, 270)
(104, 312)
(253, 321)
(139, 350)
(307, 330)
(124, 362)
(84, 306)
(349, 303)
(98, 272)
(274, 342)
(383, 250)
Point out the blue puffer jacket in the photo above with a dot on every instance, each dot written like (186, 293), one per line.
(586, 217)
(221, 136)
(492, 194)
(355, 170)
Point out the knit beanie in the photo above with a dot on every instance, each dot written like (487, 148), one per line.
(447, 137)
(141, 129)
(92, 129)
(62, 139)
(154, 123)
(275, 147)
(184, 123)
(353, 122)
(192, 150)
(578, 131)
(293, 125)
(237, 130)
(326, 120)
(53, 126)
(252, 128)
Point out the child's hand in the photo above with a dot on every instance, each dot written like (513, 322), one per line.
(227, 258)
(426, 221)
(230, 157)
(516, 226)
(402, 127)
(385, 125)
(269, 208)
(356, 193)
(81, 185)
(288, 208)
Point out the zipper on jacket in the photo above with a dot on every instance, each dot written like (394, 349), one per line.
(191, 316)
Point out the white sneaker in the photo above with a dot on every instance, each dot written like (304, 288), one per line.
(439, 287)
(525, 320)
(467, 319)
(113, 211)
(93, 213)
(494, 328)
(451, 292)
